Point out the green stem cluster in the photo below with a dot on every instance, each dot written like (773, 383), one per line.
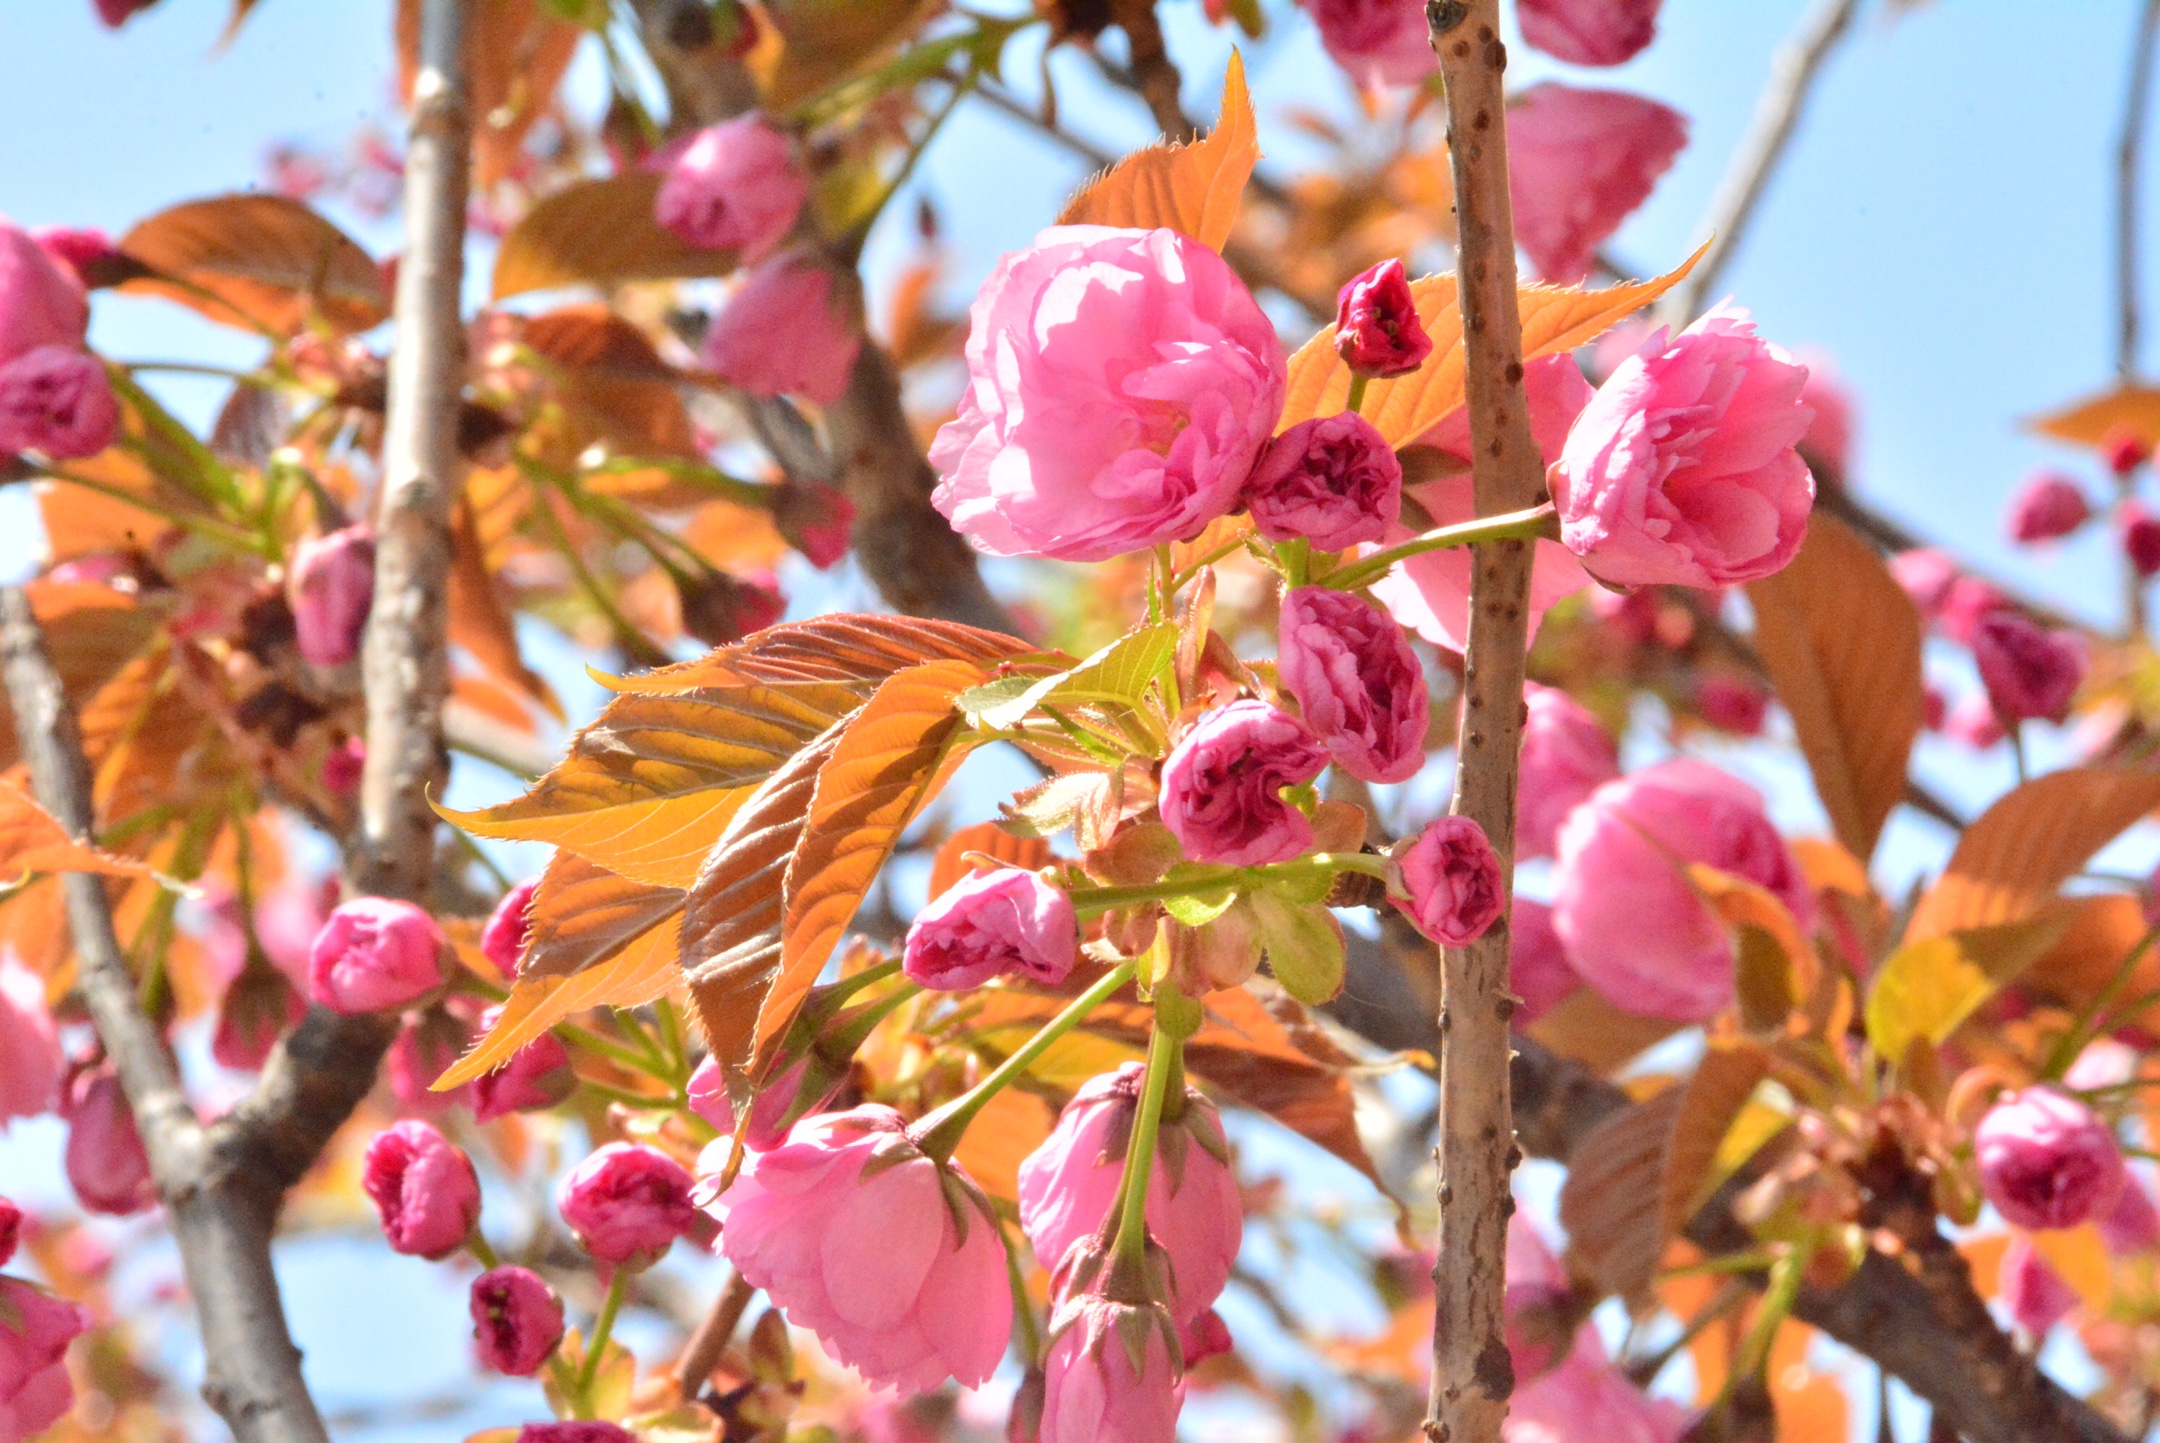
(1163, 1061)
(1200, 881)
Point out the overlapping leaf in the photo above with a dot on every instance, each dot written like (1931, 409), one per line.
(2016, 856)
(1842, 642)
(1927, 989)
(985, 839)
(1191, 188)
(843, 647)
(600, 233)
(260, 261)
(1120, 673)
(1554, 319)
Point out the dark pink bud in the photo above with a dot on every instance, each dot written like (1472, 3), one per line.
(502, 940)
(1111, 1371)
(253, 1014)
(1206, 1336)
(784, 332)
(1589, 32)
(2123, 450)
(2140, 531)
(517, 1320)
(341, 769)
(718, 608)
(374, 954)
(424, 1187)
(575, 1430)
(1453, 877)
(991, 923)
(332, 585)
(1222, 787)
(627, 1203)
(2034, 1292)
(2046, 1161)
(106, 1164)
(1377, 329)
(2048, 506)
(816, 520)
(58, 401)
(536, 1077)
(1731, 704)
(116, 13)
(1357, 682)
(2028, 670)
(10, 1229)
(1333, 480)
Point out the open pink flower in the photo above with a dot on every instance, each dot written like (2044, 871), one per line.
(1120, 386)
(732, 186)
(517, 1320)
(1430, 594)
(1453, 877)
(627, 1203)
(332, 581)
(1589, 32)
(991, 923)
(784, 333)
(1566, 755)
(1069, 1184)
(35, 1330)
(30, 1060)
(1112, 1372)
(896, 1266)
(1579, 162)
(1376, 42)
(41, 303)
(1681, 470)
(1633, 926)
(373, 954)
(424, 1187)
(2047, 1160)
(57, 400)
(1356, 681)
(1222, 787)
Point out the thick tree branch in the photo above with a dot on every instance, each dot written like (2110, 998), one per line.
(1792, 74)
(1472, 1377)
(2129, 146)
(221, 1220)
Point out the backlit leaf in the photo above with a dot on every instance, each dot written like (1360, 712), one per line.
(1191, 188)
(2017, 854)
(32, 840)
(999, 1139)
(258, 261)
(600, 233)
(984, 839)
(1304, 945)
(2132, 409)
(843, 647)
(1926, 989)
(479, 622)
(1584, 1026)
(1711, 1102)
(1121, 672)
(1842, 642)
(1554, 319)
(2100, 935)
(1613, 1202)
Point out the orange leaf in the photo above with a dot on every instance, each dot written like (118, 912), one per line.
(990, 840)
(2133, 409)
(610, 377)
(515, 56)
(258, 261)
(2102, 932)
(1554, 319)
(1842, 642)
(1191, 188)
(1710, 1101)
(843, 647)
(1586, 1027)
(32, 840)
(2012, 860)
(478, 620)
(599, 233)
(1612, 1204)
(891, 759)
(1013, 1125)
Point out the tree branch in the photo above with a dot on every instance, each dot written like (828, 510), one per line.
(1154, 74)
(1472, 1377)
(1777, 112)
(2127, 151)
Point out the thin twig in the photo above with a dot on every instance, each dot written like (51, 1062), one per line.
(2128, 148)
(1154, 75)
(1472, 1377)
(702, 1353)
(1792, 74)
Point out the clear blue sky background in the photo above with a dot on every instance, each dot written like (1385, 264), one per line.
(1940, 228)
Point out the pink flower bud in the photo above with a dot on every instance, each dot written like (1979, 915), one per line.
(2140, 533)
(1069, 1184)
(116, 13)
(769, 1114)
(1633, 924)
(627, 1203)
(2123, 450)
(1926, 574)
(1376, 42)
(254, 1012)
(2046, 1161)
(892, 1261)
(1538, 970)
(1112, 1371)
(31, 1063)
(576, 1430)
(517, 1320)
(1589, 32)
(1121, 384)
(1222, 786)
(991, 923)
(1681, 470)
(2028, 670)
(1333, 480)
(332, 585)
(536, 1077)
(1730, 704)
(502, 940)
(732, 186)
(1377, 329)
(1453, 877)
(1357, 682)
(2132, 1225)
(2034, 1292)
(41, 303)
(1579, 161)
(57, 400)
(374, 954)
(35, 1330)
(105, 1161)
(10, 1229)
(425, 1189)
(816, 519)
(343, 766)
(2049, 505)
(1566, 755)
(783, 332)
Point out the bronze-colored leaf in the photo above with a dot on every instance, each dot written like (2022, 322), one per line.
(2016, 856)
(1554, 319)
(2131, 409)
(599, 233)
(262, 262)
(1584, 1026)
(1842, 642)
(2099, 935)
(1723, 1082)
(479, 622)
(612, 382)
(32, 840)
(1613, 1202)
(817, 43)
(843, 647)
(986, 839)
(1191, 188)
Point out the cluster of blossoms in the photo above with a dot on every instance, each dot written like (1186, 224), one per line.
(35, 1330)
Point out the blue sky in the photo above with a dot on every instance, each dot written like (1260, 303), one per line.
(1940, 229)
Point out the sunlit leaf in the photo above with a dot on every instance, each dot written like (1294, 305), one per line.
(599, 233)
(1842, 642)
(32, 840)
(1000, 1138)
(1711, 1101)
(2134, 410)
(259, 261)
(1191, 188)
(984, 839)
(843, 647)
(1584, 1026)
(1927, 989)
(1121, 673)
(480, 623)
(1304, 945)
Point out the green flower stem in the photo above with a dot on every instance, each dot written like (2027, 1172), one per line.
(1165, 1053)
(591, 1041)
(1356, 402)
(1028, 1326)
(1094, 901)
(946, 1126)
(1183, 578)
(597, 1344)
(477, 1245)
(2086, 1026)
(1536, 522)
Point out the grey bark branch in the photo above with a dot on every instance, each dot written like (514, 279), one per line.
(1792, 75)
(222, 1218)
(2129, 147)
(1472, 1376)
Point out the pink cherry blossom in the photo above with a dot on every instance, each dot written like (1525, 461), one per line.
(502, 940)
(1579, 162)
(2033, 1291)
(106, 1165)
(1112, 1372)
(41, 302)
(1453, 877)
(1357, 683)
(1538, 970)
(769, 1122)
(424, 1188)
(1589, 32)
(1222, 785)
(332, 581)
(784, 332)
(1377, 329)
(627, 1203)
(2046, 1160)
(2048, 506)
(732, 186)
(991, 923)
(1332, 480)
(1376, 42)
(373, 954)
(58, 401)
(537, 1076)
(517, 1320)
(2028, 670)
(1566, 755)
